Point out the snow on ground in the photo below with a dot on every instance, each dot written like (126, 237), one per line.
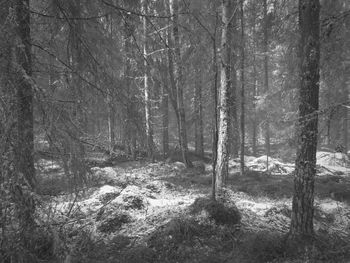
(333, 163)
(141, 198)
(274, 165)
(327, 164)
(48, 165)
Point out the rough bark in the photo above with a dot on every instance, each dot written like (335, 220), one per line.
(25, 126)
(24, 153)
(305, 165)
(225, 79)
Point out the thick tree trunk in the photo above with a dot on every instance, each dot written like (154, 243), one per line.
(148, 113)
(242, 90)
(225, 79)
(24, 153)
(25, 158)
(198, 113)
(266, 81)
(178, 71)
(305, 165)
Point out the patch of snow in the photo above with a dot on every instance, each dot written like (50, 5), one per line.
(179, 166)
(248, 158)
(274, 165)
(330, 206)
(333, 163)
(162, 202)
(48, 164)
(105, 190)
(258, 208)
(332, 159)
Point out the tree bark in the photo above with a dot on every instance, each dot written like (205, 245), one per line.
(266, 80)
(25, 159)
(24, 153)
(305, 165)
(178, 71)
(165, 120)
(233, 92)
(148, 113)
(346, 113)
(198, 112)
(242, 90)
(111, 121)
(215, 110)
(225, 83)
(255, 88)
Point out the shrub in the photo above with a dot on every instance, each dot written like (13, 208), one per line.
(221, 213)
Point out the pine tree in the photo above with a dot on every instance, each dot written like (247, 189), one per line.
(305, 165)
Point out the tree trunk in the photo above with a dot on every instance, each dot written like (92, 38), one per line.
(255, 88)
(233, 101)
(24, 154)
(76, 60)
(346, 112)
(198, 113)
(305, 165)
(215, 110)
(242, 89)
(266, 80)
(111, 121)
(178, 71)
(165, 120)
(148, 113)
(225, 79)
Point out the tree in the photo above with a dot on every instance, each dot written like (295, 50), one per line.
(242, 89)
(266, 80)
(305, 164)
(198, 113)
(165, 119)
(148, 113)
(20, 77)
(221, 168)
(178, 77)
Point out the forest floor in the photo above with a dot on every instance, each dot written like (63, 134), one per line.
(146, 212)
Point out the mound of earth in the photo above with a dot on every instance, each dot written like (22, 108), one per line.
(221, 213)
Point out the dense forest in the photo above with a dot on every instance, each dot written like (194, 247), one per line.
(174, 131)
